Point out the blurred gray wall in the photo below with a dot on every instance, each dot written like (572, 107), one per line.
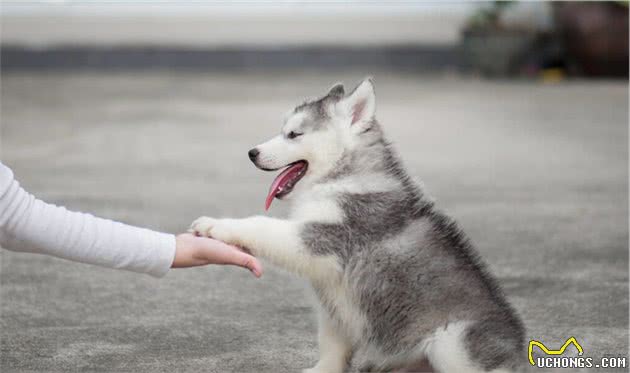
(254, 34)
(211, 25)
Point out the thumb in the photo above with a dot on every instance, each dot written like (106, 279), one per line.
(245, 260)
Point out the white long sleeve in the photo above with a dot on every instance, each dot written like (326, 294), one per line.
(28, 224)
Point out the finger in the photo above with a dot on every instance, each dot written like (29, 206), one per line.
(239, 258)
(221, 253)
(247, 261)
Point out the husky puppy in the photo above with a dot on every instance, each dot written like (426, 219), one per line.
(396, 279)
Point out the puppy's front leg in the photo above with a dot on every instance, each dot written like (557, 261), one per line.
(335, 350)
(274, 239)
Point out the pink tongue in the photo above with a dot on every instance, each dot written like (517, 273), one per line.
(281, 181)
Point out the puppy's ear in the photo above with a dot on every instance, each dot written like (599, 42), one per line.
(336, 92)
(361, 103)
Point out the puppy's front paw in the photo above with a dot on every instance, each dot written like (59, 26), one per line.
(221, 229)
(202, 226)
(226, 230)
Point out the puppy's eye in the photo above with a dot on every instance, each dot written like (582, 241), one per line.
(294, 134)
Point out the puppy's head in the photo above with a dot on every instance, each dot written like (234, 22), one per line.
(315, 135)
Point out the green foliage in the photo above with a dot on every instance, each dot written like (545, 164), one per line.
(488, 17)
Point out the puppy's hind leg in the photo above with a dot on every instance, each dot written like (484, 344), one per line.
(448, 351)
(334, 349)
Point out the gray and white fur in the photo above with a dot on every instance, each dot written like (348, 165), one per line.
(395, 278)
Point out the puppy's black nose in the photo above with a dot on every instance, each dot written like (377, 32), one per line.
(253, 154)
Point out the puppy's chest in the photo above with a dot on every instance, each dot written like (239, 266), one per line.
(339, 302)
(316, 209)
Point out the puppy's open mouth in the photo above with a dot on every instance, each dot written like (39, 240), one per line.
(284, 183)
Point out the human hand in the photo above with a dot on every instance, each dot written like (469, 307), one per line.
(192, 251)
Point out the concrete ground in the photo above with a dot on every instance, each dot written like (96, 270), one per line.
(536, 174)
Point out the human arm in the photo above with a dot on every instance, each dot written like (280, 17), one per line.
(31, 225)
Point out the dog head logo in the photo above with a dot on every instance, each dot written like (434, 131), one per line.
(560, 351)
